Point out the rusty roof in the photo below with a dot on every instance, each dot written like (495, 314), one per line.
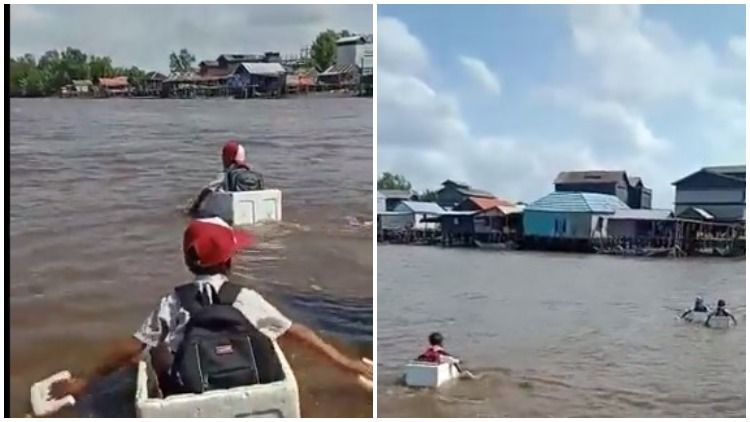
(218, 72)
(114, 82)
(593, 176)
(484, 204)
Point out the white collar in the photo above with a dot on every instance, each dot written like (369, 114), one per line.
(215, 280)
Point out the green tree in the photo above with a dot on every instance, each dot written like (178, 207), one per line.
(323, 50)
(74, 64)
(100, 67)
(181, 62)
(388, 181)
(428, 196)
(136, 76)
(19, 70)
(34, 84)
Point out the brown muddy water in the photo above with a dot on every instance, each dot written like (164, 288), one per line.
(557, 335)
(97, 188)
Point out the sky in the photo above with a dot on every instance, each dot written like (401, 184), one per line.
(506, 97)
(144, 35)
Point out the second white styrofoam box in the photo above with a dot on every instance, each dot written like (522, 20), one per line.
(244, 208)
(278, 399)
(426, 374)
(720, 322)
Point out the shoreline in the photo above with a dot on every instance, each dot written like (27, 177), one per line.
(318, 94)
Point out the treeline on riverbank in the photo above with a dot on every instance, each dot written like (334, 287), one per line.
(30, 77)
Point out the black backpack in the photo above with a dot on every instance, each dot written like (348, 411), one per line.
(241, 178)
(221, 349)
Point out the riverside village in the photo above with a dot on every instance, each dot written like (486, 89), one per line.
(607, 212)
(336, 62)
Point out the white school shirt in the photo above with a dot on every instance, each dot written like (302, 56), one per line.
(166, 323)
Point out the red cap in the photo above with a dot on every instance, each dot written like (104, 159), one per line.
(214, 241)
(232, 153)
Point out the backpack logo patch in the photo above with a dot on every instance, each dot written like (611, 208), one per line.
(224, 349)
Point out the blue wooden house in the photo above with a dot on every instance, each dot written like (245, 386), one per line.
(570, 215)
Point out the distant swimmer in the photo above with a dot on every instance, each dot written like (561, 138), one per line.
(435, 353)
(721, 311)
(698, 307)
(237, 176)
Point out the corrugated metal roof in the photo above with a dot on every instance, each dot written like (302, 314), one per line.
(642, 215)
(219, 72)
(268, 69)
(341, 68)
(395, 193)
(705, 215)
(593, 176)
(459, 213)
(241, 57)
(725, 169)
(422, 207)
(578, 202)
(182, 77)
(155, 76)
(730, 172)
(355, 39)
(475, 192)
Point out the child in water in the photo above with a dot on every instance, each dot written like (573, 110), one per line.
(721, 311)
(435, 353)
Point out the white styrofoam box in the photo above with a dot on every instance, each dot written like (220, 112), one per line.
(720, 322)
(427, 374)
(243, 208)
(696, 317)
(41, 404)
(274, 400)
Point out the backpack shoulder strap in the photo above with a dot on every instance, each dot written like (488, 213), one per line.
(189, 297)
(228, 293)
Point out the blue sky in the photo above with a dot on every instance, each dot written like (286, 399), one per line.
(504, 97)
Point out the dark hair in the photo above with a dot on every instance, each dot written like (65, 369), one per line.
(436, 339)
(721, 303)
(192, 262)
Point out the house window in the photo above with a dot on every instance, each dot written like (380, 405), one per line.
(455, 221)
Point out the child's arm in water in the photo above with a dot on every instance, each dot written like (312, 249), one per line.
(307, 337)
(120, 354)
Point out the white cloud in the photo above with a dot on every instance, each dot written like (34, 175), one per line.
(737, 45)
(633, 70)
(641, 61)
(25, 14)
(422, 134)
(399, 50)
(482, 74)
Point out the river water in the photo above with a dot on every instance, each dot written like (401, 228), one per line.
(97, 188)
(560, 334)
